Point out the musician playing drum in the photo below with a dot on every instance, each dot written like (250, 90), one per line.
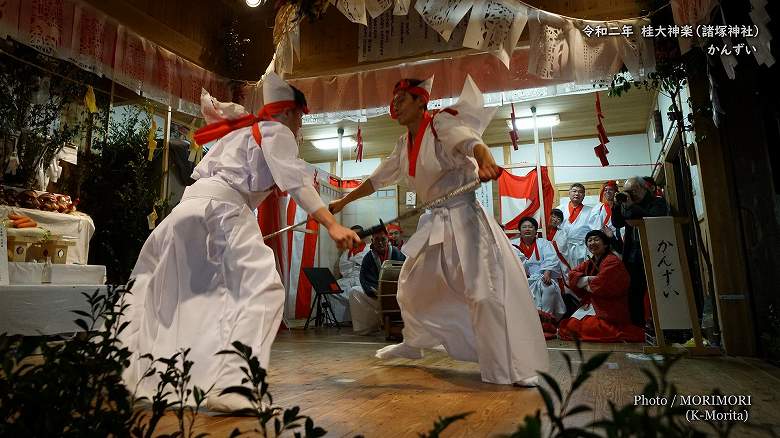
(461, 286)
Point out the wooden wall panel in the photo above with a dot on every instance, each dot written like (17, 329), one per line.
(191, 28)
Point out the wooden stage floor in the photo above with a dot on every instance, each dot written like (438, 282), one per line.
(335, 379)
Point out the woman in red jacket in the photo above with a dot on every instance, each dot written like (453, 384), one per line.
(602, 284)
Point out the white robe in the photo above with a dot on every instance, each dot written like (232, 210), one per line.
(599, 217)
(576, 251)
(461, 285)
(547, 298)
(204, 277)
(349, 267)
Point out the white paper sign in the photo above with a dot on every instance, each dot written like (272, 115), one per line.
(398, 36)
(411, 199)
(671, 297)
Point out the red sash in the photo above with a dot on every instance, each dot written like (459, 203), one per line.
(560, 256)
(529, 250)
(574, 212)
(414, 148)
(356, 250)
(608, 209)
(384, 257)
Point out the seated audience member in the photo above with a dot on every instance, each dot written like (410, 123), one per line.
(602, 214)
(559, 237)
(348, 268)
(602, 283)
(363, 302)
(394, 232)
(542, 267)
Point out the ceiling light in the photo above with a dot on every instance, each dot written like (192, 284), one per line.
(333, 143)
(253, 3)
(524, 123)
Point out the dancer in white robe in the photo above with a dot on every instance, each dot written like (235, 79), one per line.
(204, 277)
(577, 222)
(461, 286)
(601, 215)
(543, 268)
(348, 267)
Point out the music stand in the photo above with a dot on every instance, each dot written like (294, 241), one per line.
(324, 283)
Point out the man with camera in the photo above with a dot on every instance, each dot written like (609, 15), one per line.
(633, 203)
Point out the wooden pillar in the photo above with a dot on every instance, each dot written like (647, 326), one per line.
(550, 163)
(721, 225)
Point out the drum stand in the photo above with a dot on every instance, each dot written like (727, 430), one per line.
(325, 316)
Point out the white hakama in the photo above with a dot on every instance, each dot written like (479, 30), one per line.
(204, 277)
(461, 285)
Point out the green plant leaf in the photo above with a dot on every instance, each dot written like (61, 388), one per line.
(596, 361)
(243, 391)
(552, 384)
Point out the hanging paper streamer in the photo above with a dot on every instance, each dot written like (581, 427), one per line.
(601, 150)
(401, 7)
(89, 100)
(495, 26)
(354, 10)
(513, 133)
(151, 139)
(443, 15)
(359, 149)
(378, 7)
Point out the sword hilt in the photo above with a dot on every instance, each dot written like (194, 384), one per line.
(369, 231)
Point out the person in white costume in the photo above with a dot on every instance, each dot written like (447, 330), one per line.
(543, 268)
(577, 222)
(348, 267)
(204, 277)
(461, 285)
(601, 215)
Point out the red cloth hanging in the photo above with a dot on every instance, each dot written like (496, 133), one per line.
(527, 187)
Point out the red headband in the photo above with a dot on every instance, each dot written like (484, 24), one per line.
(393, 227)
(415, 90)
(612, 184)
(214, 131)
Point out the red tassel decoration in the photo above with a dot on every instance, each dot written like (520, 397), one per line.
(359, 150)
(513, 133)
(601, 150)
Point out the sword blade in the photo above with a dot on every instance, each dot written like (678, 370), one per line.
(286, 229)
(468, 188)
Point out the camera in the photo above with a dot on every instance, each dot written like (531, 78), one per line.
(621, 197)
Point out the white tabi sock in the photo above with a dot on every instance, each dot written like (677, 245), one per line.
(399, 350)
(528, 382)
(228, 403)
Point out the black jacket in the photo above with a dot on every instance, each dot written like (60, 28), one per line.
(650, 206)
(370, 268)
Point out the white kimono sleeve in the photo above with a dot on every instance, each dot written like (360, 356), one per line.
(550, 261)
(290, 173)
(389, 170)
(455, 136)
(308, 198)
